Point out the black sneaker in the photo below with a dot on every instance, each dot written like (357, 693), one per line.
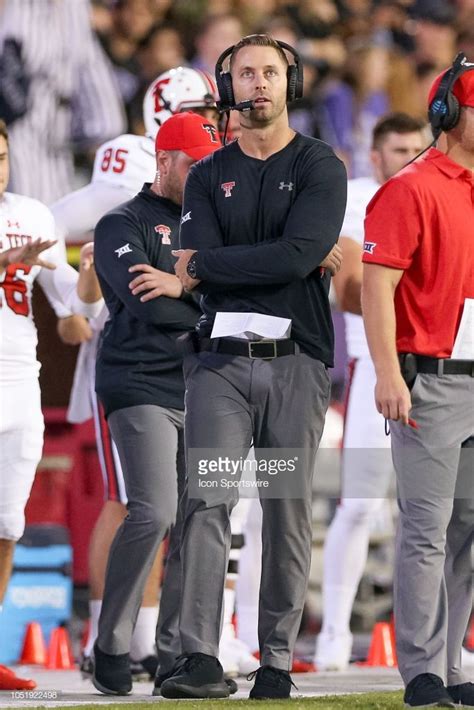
(161, 677)
(200, 676)
(427, 689)
(145, 669)
(231, 684)
(112, 674)
(462, 694)
(270, 683)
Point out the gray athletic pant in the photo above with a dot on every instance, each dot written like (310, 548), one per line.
(433, 569)
(168, 641)
(230, 403)
(149, 440)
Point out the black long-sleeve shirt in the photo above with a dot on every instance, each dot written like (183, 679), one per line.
(261, 228)
(138, 361)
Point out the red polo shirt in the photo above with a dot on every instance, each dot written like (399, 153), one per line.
(422, 221)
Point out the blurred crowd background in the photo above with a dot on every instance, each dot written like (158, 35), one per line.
(362, 58)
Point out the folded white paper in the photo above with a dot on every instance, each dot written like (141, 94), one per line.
(250, 326)
(464, 343)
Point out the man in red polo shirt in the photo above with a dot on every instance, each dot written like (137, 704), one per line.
(417, 287)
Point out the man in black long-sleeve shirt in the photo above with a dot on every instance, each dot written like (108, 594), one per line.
(139, 379)
(259, 218)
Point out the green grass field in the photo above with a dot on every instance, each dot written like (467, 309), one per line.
(364, 701)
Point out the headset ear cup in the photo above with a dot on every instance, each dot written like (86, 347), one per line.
(226, 91)
(451, 118)
(292, 81)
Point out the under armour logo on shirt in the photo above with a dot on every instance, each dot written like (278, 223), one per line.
(123, 250)
(227, 187)
(286, 186)
(186, 217)
(11, 224)
(369, 247)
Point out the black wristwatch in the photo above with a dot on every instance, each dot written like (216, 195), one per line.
(191, 267)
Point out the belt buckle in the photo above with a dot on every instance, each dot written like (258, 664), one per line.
(254, 343)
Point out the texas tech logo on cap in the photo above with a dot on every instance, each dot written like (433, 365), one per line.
(165, 232)
(227, 187)
(212, 130)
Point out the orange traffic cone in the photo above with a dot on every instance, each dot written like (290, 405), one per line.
(59, 652)
(34, 647)
(382, 647)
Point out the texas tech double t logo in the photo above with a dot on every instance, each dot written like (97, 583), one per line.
(227, 187)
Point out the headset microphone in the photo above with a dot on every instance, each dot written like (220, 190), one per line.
(242, 106)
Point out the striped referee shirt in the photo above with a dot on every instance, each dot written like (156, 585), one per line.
(73, 100)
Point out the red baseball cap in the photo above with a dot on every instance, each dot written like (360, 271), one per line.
(190, 133)
(463, 88)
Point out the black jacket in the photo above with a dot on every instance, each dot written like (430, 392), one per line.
(261, 228)
(138, 361)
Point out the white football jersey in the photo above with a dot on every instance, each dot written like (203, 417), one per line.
(128, 161)
(23, 219)
(359, 193)
(121, 166)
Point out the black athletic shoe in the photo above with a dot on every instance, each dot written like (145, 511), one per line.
(145, 669)
(112, 674)
(161, 677)
(270, 683)
(232, 685)
(427, 689)
(200, 676)
(462, 694)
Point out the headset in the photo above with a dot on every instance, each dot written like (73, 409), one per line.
(294, 77)
(444, 110)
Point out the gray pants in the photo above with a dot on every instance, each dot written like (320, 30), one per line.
(149, 440)
(433, 569)
(230, 403)
(168, 642)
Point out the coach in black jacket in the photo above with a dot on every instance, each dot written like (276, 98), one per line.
(139, 378)
(259, 218)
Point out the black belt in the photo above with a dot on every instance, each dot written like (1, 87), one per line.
(254, 349)
(435, 366)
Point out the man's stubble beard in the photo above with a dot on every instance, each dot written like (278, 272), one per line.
(257, 120)
(173, 190)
